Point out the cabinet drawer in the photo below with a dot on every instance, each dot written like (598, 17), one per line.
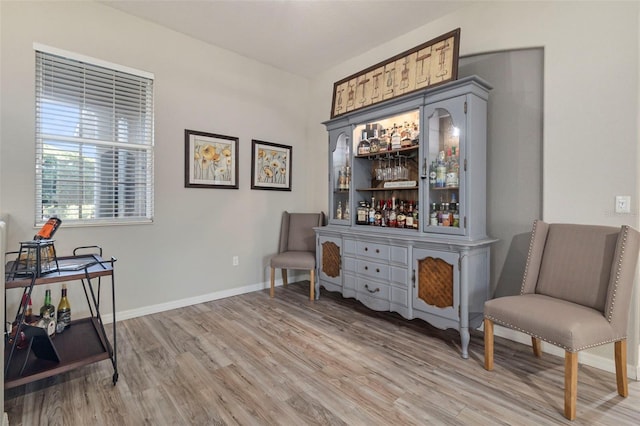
(373, 288)
(372, 250)
(375, 270)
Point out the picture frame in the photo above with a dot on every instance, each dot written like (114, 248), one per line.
(270, 166)
(429, 64)
(210, 160)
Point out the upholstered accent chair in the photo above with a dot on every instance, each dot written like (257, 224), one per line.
(575, 294)
(297, 247)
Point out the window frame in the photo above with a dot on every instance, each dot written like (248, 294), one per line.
(124, 165)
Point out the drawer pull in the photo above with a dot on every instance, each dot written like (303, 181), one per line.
(378, 270)
(366, 268)
(371, 291)
(377, 250)
(366, 249)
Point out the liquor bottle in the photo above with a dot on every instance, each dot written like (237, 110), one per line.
(395, 138)
(374, 142)
(405, 136)
(372, 211)
(48, 229)
(362, 213)
(347, 214)
(384, 142)
(393, 221)
(446, 215)
(385, 214)
(432, 174)
(47, 310)
(339, 211)
(48, 315)
(401, 217)
(64, 309)
(456, 215)
(364, 147)
(409, 219)
(415, 134)
(416, 218)
(453, 169)
(377, 219)
(28, 309)
(433, 215)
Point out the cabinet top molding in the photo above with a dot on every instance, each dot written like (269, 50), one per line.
(429, 64)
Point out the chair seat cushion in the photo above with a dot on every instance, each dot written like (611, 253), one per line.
(571, 326)
(294, 260)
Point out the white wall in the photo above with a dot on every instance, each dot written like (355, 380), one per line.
(590, 104)
(187, 252)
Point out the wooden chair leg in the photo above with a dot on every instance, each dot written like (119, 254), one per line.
(488, 344)
(312, 285)
(273, 281)
(535, 343)
(570, 384)
(284, 277)
(621, 367)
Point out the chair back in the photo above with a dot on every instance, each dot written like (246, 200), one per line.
(296, 231)
(590, 265)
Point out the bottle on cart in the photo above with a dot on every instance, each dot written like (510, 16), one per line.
(28, 308)
(64, 310)
(48, 314)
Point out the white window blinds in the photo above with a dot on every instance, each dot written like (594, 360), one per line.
(94, 142)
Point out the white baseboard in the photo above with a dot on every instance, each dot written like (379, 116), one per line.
(586, 358)
(175, 304)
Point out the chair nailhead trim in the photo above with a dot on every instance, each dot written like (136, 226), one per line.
(514, 327)
(625, 232)
(526, 268)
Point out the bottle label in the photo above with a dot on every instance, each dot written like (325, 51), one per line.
(65, 318)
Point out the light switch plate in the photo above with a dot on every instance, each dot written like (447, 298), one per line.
(623, 204)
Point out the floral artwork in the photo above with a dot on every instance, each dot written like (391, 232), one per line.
(271, 166)
(210, 160)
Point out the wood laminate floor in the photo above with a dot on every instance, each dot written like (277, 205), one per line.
(252, 360)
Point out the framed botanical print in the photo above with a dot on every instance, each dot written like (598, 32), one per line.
(270, 166)
(211, 161)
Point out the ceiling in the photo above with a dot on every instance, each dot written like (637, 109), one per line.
(303, 37)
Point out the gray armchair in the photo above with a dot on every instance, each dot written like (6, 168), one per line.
(575, 294)
(297, 247)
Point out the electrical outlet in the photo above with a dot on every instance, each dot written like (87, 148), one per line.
(623, 204)
(235, 261)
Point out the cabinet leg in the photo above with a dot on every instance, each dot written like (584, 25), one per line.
(465, 337)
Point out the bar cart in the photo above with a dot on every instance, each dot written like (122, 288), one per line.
(84, 342)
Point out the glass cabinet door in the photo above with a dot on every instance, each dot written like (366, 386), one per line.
(340, 180)
(445, 161)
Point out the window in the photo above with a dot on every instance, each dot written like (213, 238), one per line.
(94, 140)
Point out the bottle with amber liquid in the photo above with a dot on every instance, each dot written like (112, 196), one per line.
(64, 309)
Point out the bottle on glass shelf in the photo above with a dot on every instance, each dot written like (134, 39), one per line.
(401, 217)
(456, 215)
(416, 217)
(396, 140)
(64, 310)
(339, 211)
(372, 212)
(364, 147)
(393, 217)
(384, 142)
(346, 214)
(409, 219)
(433, 215)
(374, 142)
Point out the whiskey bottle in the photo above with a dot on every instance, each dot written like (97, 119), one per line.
(416, 217)
(339, 211)
(378, 215)
(364, 147)
(393, 220)
(409, 216)
(374, 142)
(48, 229)
(64, 309)
(401, 217)
(395, 138)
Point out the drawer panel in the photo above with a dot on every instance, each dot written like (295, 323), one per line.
(400, 255)
(399, 296)
(373, 289)
(349, 265)
(399, 275)
(375, 270)
(349, 246)
(349, 282)
(372, 250)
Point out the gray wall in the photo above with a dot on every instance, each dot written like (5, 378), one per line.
(514, 156)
